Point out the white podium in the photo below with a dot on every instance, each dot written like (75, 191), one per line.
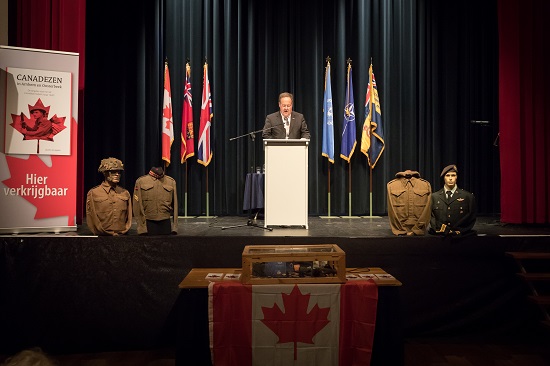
(286, 182)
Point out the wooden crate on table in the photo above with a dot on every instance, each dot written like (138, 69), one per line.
(269, 264)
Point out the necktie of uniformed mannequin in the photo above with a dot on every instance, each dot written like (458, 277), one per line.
(449, 194)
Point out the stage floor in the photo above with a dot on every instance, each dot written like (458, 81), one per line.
(355, 227)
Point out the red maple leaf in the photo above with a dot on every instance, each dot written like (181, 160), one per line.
(58, 125)
(29, 175)
(295, 324)
(167, 113)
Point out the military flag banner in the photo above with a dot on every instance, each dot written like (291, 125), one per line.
(372, 138)
(187, 133)
(349, 129)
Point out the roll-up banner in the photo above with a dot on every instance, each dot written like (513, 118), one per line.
(38, 140)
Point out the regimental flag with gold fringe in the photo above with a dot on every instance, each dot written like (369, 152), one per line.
(372, 138)
(328, 119)
(167, 126)
(349, 131)
(204, 148)
(187, 133)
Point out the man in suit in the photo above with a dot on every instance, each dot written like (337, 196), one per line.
(285, 124)
(453, 208)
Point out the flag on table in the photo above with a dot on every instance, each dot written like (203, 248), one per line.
(348, 133)
(167, 126)
(187, 134)
(306, 324)
(372, 138)
(204, 149)
(328, 119)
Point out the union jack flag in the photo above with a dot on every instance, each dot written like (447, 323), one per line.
(204, 148)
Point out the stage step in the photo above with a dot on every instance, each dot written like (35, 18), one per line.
(535, 276)
(541, 300)
(535, 280)
(529, 255)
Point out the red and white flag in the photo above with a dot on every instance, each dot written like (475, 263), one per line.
(187, 134)
(306, 324)
(204, 147)
(167, 126)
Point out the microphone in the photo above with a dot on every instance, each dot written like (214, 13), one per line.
(481, 123)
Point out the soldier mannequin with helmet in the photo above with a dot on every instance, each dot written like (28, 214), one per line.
(108, 205)
(453, 209)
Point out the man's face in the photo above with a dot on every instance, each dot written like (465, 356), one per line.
(450, 180)
(37, 113)
(113, 176)
(285, 106)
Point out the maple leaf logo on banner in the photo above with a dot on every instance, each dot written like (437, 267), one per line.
(45, 187)
(285, 326)
(37, 126)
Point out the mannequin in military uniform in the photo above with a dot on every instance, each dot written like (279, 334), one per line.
(155, 200)
(108, 205)
(453, 208)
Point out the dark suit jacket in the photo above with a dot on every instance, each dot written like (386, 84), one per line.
(459, 213)
(298, 127)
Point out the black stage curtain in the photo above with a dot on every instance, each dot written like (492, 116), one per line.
(436, 66)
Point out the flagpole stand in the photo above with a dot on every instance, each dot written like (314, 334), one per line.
(329, 216)
(207, 210)
(370, 208)
(251, 221)
(185, 216)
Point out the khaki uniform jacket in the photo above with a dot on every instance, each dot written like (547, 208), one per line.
(409, 203)
(155, 200)
(108, 210)
(457, 214)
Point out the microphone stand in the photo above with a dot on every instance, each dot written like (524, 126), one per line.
(251, 221)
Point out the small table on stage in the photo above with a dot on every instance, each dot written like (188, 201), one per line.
(254, 191)
(192, 343)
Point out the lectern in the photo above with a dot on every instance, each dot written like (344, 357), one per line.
(286, 182)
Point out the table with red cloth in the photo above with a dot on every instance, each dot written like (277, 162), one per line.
(364, 325)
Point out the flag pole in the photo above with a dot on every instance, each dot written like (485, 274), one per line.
(185, 195)
(326, 152)
(207, 197)
(349, 186)
(370, 193)
(349, 112)
(328, 185)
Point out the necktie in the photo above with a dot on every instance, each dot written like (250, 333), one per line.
(287, 126)
(449, 193)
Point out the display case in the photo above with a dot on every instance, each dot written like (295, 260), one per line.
(268, 264)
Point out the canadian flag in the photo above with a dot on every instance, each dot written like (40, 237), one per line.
(291, 324)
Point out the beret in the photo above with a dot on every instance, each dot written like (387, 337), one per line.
(447, 169)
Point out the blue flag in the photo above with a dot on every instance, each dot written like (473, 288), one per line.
(328, 120)
(349, 130)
